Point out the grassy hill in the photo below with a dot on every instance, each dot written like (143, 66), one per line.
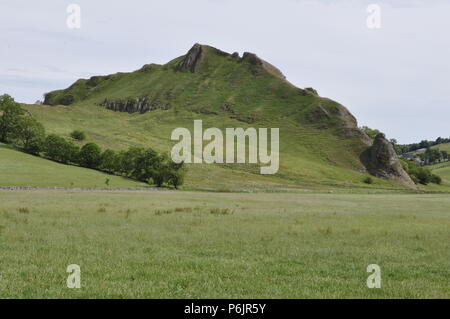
(442, 147)
(443, 170)
(299, 165)
(320, 143)
(20, 169)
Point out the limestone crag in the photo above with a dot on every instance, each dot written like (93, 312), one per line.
(137, 105)
(381, 160)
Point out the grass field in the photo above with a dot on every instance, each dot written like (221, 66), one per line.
(442, 147)
(443, 170)
(167, 244)
(21, 169)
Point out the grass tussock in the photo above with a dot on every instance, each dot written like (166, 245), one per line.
(326, 231)
(221, 211)
(23, 210)
(183, 209)
(160, 212)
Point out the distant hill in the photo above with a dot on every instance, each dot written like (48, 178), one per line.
(442, 147)
(320, 142)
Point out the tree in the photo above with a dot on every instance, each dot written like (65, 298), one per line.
(125, 162)
(78, 135)
(28, 134)
(423, 176)
(175, 174)
(424, 144)
(6, 99)
(90, 155)
(60, 150)
(107, 161)
(10, 117)
(431, 155)
(146, 165)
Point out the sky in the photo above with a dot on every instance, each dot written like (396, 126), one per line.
(395, 78)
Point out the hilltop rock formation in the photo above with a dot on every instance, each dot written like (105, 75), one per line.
(192, 61)
(381, 160)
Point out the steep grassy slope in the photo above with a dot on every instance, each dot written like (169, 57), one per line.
(319, 140)
(20, 169)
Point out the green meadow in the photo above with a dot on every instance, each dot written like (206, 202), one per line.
(443, 170)
(21, 169)
(442, 147)
(173, 244)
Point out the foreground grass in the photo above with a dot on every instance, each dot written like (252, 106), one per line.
(195, 245)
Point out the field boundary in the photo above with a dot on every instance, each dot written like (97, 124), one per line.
(27, 188)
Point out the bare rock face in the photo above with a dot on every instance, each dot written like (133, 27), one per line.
(192, 59)
(138, 105)
(260, 65)
(381, 160)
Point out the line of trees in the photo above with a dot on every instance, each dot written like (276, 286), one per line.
(406, 148)
(25, 133)
(420, 174)
(431, 156)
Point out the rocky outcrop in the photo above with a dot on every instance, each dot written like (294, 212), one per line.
(192, 59)
(137, 105)
(259, 65)
(381, 160)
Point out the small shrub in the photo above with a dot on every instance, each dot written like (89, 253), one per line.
(220, 211)
(128, 213)
(436, 179)
(78, 135)
(414, 179)
(101, 210)
(326, 231)
(163, 212)
(368, 180)
(183, 209)
(23, 210)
